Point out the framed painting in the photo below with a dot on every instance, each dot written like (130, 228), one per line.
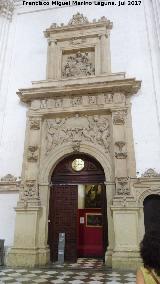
(93, 220)
(93, 196)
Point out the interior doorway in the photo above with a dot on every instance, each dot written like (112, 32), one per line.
(152, 212)
(78, 208)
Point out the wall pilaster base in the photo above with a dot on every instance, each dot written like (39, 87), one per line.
(126, 260)
(108, 257)
(28, 257)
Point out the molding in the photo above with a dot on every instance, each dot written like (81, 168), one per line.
(94, 84)
(79, 22)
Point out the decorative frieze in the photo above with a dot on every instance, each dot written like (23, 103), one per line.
(122, 186)
(150, 173)
(108, 98)
(118, 98)
(32, 155)
(119, 117)
(94, 129)
(76, 101)
(92, 100)
(120, 150)
(80, 101)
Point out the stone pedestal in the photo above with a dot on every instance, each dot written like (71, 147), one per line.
(126, 251)
(26, 250)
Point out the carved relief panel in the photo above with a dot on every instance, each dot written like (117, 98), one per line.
(78, 63)
(76, 129)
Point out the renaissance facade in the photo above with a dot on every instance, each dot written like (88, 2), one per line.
(90, 158)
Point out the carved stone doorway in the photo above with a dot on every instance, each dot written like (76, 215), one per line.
(85, 226)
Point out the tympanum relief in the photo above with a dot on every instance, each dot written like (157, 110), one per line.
(93, 129)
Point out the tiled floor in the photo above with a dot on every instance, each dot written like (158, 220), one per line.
(85, 271)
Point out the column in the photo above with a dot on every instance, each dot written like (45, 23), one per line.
(52, 59)
(105, 54)
(156, 11)
(28, 248)
(6, 12)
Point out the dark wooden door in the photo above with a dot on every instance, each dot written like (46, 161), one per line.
(152, 212)
(104, 220)
(63, 219)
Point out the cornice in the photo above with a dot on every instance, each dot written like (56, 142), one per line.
(92, 85)
(78, 22)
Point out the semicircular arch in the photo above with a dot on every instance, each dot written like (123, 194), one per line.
(146, 193)
(56, 155)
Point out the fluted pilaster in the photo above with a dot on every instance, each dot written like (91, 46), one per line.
(156, 9)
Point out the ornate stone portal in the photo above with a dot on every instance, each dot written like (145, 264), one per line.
(80, 107)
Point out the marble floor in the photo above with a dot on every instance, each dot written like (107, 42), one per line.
(89, 271)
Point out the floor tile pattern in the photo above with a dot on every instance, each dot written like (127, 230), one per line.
(87, 271)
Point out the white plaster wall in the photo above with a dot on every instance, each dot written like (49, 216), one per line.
(7, 216)
(130, 52)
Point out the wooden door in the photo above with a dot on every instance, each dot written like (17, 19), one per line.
(105, 220)
(152, 212)
(63, 219)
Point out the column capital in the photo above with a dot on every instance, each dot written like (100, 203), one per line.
(6, 8)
